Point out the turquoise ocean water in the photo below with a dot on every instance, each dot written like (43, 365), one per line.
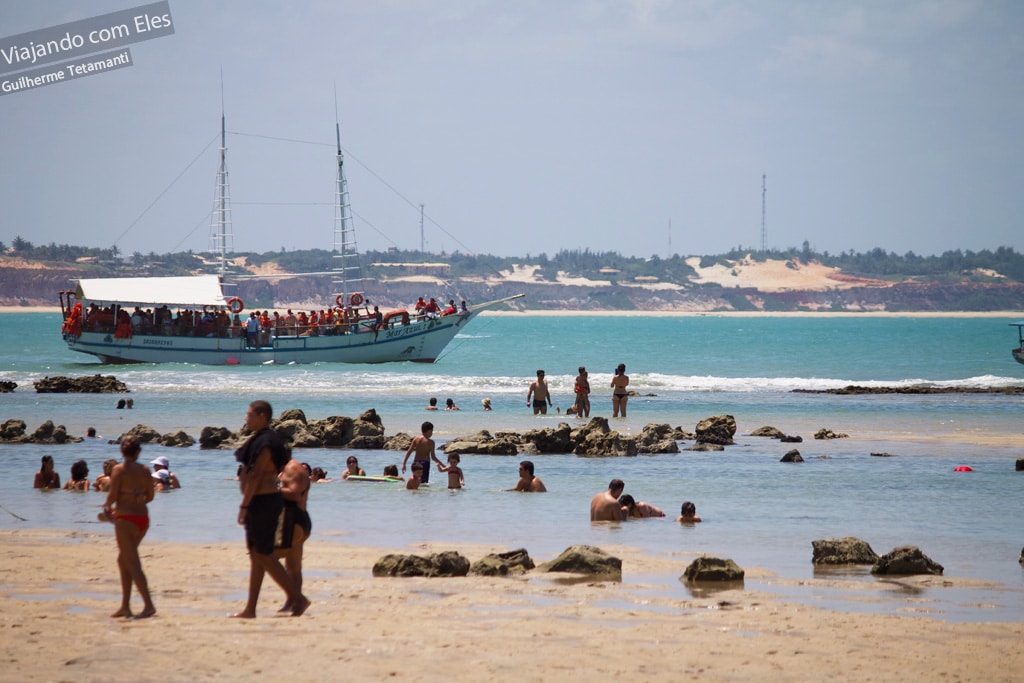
(758, 511)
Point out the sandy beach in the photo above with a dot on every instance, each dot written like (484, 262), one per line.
(59, 588)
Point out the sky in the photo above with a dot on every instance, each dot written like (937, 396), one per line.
(641, 127)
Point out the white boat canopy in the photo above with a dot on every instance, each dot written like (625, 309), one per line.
(197, 290)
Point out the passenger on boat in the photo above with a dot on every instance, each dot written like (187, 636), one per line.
(378, 322)
(433, 310)
(252, 330)
(290, 322)
(464, 308)
(421, 309)
(450, 310)
(124, 325)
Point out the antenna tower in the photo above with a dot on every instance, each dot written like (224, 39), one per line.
(764, 211)
(423, 244)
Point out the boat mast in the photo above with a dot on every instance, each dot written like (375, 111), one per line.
(221, 239)
(347, 278)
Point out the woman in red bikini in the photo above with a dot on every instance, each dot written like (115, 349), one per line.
(131, 487)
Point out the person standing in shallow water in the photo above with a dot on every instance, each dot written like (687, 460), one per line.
(538, 396)
(263, 457)
(131, 489)
(619, 394)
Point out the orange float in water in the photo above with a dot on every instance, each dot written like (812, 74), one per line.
(962, 468)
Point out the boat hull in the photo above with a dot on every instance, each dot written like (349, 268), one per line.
(422, 341)
(1018, 355)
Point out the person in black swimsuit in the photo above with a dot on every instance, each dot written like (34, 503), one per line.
(619, 394)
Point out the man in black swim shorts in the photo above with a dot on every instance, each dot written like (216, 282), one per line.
(263, 457)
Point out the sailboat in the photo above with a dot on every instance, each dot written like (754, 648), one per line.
(195, 319)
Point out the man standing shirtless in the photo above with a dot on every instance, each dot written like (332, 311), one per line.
(538, 395)
(604, 507)
(263, 458)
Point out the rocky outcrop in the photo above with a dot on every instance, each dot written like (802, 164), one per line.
(768, 431)
(1020, 464)
(94, 384)
(718, 429)
(657, 438)
(713, 569)
(597, 440)
(49, 434)
(482, 443)
(881, 455)
(552, 439)
(367, 431)
(792, 456)
(293, 414)
(215, 437)
(791, 438)
(447, 563)
(855, 390)
(7, 386)
(829, 434)
(503, 564)
(13, 432)
(846, 550)
(144, 433)
(399, 442)
(585, 559)
(178, 439)
(906, 560)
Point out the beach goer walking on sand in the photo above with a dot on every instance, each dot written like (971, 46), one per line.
(456, 480)
(46, 477)
(130, 490)
(295, 525)
(538, 395)
(604, 507)
(688, 514)
(527, 481)
(416, 479)
(263, 457)
(353, 468)
(582, 388)
(619, 394)
(423, 446)
(639, 510)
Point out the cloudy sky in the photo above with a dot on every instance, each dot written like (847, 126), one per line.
(527, 127)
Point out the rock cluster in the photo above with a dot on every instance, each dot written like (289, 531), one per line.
(774, 433)
(829, 434)
(503, 564)
(792, 456)
(364, 432)
(718, 430)
(846, 550)
(147, 434)
(93, 384)
(594, 439)
(7, 386)
(584, 559)
(13, 431)
(706, 568)
(905, 560)
(447, 563)
(578, 559)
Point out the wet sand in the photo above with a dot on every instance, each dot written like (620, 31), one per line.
(59, 587)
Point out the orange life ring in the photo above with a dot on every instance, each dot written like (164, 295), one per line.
(340, 300)
(235, 305)
(356, 299)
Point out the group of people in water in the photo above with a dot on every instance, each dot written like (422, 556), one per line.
(538, 396)
(162, 479)
(612, 505)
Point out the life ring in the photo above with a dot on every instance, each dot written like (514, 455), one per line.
(963, 468)
(340, 300)
(235, 305)
(356, 299)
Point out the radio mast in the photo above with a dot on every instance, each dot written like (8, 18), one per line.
(764, 211)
